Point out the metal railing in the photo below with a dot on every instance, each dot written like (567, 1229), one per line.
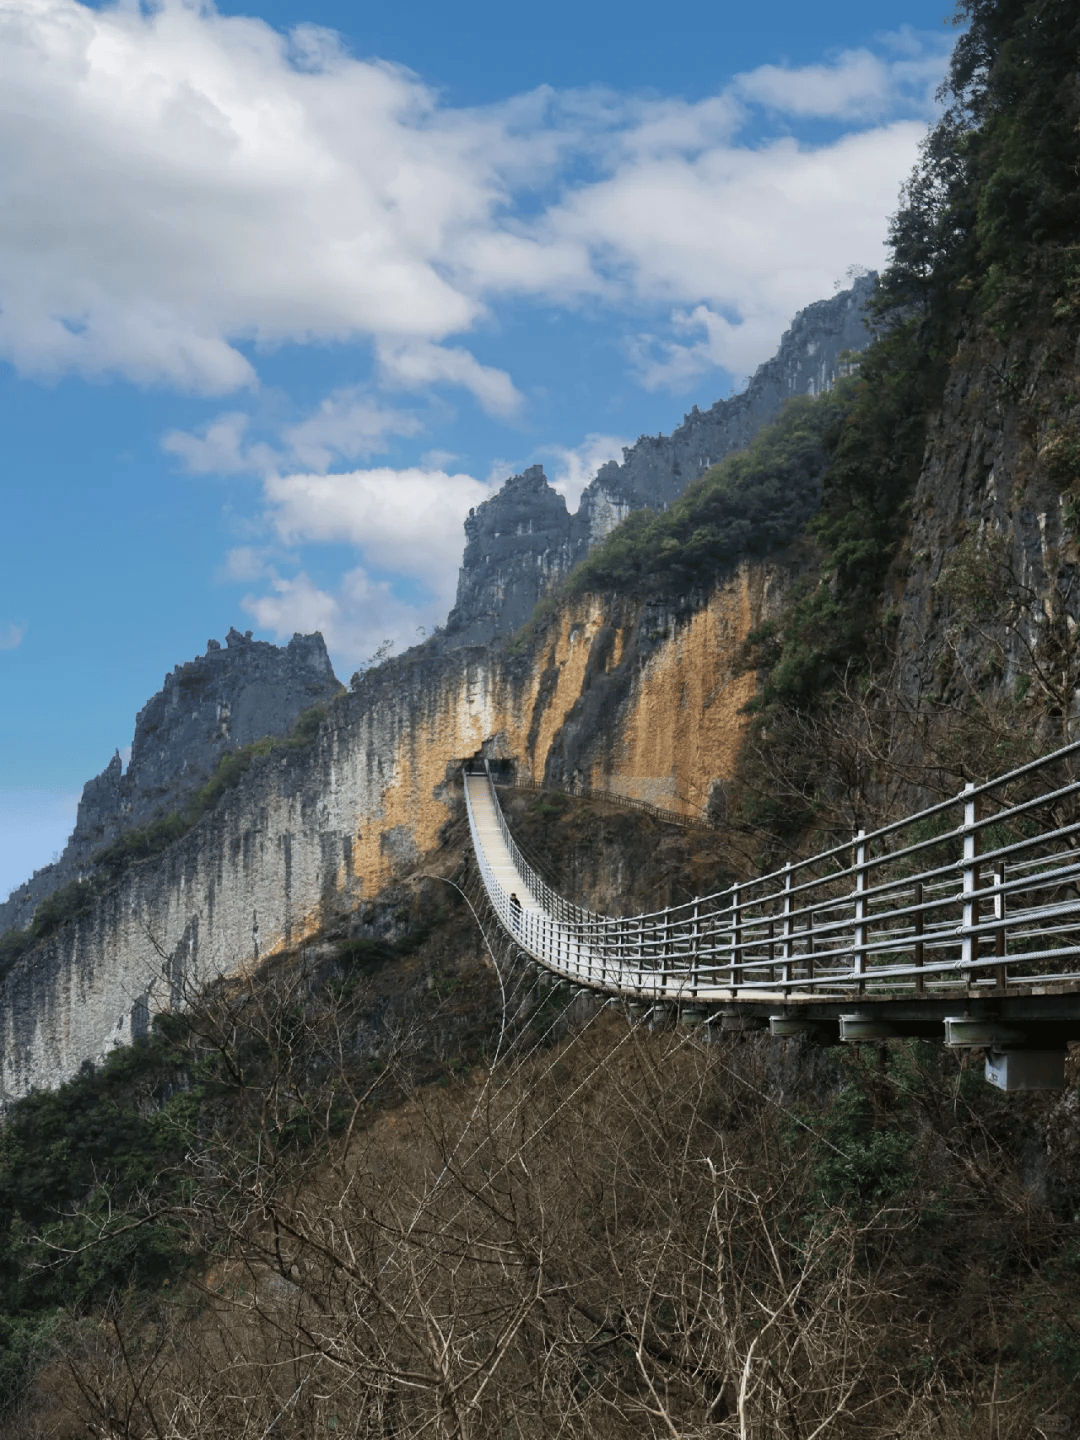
(976, 895)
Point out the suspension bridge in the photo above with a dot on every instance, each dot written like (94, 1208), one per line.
(960, 923)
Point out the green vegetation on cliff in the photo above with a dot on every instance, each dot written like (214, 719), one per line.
(993, 207)
(751, 503)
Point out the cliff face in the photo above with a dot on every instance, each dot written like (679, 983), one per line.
(989, 589)
(657, 469)
(208, 707)
(523, 540)
(609, 692)
(516, 546)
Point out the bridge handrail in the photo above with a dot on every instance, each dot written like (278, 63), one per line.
(855, 926)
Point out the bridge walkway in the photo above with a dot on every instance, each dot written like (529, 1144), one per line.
(965, 914)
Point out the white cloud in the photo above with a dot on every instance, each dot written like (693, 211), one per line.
(858, 85)
(347, 424)
(221, 448)
(437, 459)
(752, 228)
(354, 621)
(406, 521)
(415, 365)
(174, 181)
(245, 563)
(294, 604)
(182, 187)
(575, 468)
(753, 234)
(11, 634)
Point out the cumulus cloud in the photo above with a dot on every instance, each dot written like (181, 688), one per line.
(182, 187)
(409, 521)
(856, 86)
(355, 619)
(178, 180)
(245, 563)
(347, 424)
(222, 447)
(416, 366)
(755, 230)
(294, 604)
(11, 634)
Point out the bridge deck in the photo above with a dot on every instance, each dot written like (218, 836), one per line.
(985, 912)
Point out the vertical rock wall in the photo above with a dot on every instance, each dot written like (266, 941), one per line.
(311, 832)
(207, 708)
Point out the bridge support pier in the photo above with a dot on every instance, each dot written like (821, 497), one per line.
(1010, 1065)
(692, 1017)
(858, 1029)
(1013, 1070)
(734, 1021)
(663, 1014)
(791, 1027)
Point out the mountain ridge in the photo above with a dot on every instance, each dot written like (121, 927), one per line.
(523, 540)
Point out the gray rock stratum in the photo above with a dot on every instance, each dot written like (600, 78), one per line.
(206, 708)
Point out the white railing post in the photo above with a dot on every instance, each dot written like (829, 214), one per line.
(736, 937)
(999, 932)
(809, 943)
(785, 941)
(665, 952)
(695, 936)
(969, 943)
(918, 953)
(859, 946)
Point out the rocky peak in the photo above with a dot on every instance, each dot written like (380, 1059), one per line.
(206, 707)
(657, 469)
(522, 541)
(516, 544)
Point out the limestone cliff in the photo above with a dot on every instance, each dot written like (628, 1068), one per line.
(516, 545)
(206, 708)
(612, 692)
(657, 469)
(523, 540)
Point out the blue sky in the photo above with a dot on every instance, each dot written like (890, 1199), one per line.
(284, 291)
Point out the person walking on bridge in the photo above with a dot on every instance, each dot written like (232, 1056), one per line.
(515, 913)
